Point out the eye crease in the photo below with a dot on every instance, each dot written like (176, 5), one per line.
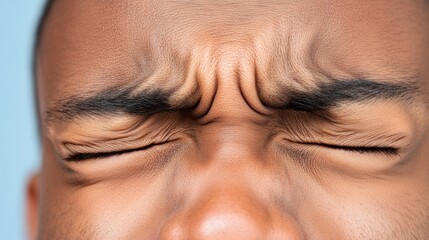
(77, 157)
(390, 151)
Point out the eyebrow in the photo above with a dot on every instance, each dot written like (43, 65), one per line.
(111, 101)
(326, 96)
(329, 95)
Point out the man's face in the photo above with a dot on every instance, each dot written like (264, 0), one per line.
(234, 120)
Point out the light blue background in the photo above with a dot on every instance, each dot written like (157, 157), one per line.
(19, 149)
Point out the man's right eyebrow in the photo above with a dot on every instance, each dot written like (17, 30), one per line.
(118, 100)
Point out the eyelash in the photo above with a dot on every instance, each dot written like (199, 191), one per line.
(102, 155)
(390, 151)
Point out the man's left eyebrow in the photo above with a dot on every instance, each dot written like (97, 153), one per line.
(109, 102)
(331, 94)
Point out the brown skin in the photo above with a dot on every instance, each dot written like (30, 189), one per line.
(232, 167)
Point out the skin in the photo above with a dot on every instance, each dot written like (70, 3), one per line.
(232, 165)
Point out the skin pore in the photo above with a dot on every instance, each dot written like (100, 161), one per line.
(233, 120)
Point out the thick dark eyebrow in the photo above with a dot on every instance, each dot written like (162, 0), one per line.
(326, 96)
(117, 100)
(329, 95)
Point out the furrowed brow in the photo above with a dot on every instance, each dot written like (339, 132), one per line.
(330, 95)
(108, 102)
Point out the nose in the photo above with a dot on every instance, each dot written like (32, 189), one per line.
(229, 214)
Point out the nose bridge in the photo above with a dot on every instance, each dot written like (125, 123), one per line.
(233, 152)
(232, 194)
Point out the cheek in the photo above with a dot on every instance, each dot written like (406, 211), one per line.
(368, 211)
(106, 211)
(404, 219)
(123, 208)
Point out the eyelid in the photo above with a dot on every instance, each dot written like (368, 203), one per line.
(77, 157)
(361, 149)
(99, 155)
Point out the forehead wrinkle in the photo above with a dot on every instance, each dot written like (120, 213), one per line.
(305, 73)
(176, 76)
(287, 66)
(169, 84)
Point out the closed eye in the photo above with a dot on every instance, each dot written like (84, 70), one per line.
(103, 155)
(390, 151)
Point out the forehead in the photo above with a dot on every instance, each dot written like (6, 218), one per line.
(95, 44)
